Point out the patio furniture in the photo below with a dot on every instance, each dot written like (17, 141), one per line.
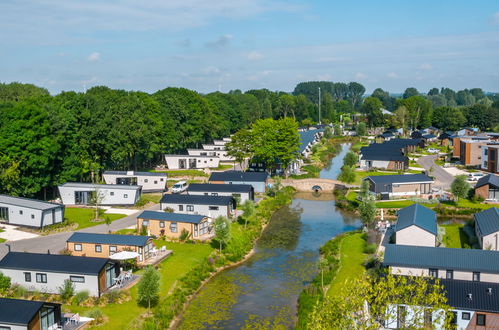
(163, 249)
(68, 317)
(128, 275)
(154, 251)
(75, 319)
(118, 281)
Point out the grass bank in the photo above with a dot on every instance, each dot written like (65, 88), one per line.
(83, 217)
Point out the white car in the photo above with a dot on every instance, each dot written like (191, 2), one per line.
(433, 150)
(179, 187)
(474, 176)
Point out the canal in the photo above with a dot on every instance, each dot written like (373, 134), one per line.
(262, 292)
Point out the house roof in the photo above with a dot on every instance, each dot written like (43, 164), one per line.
(445, 135)
(133, 173)
(99, 186)
(386, 135)
(417, 215)
(19, 311)
(196, 199)
(488, 179)
(442, 258)
(457, 294)
(113, 239)
(56, 263)
(220, 187)
(308, 136)
(399, 178)
(239, 176)
(29, 203)
(429, 136)
(175, 217)
(487, 221)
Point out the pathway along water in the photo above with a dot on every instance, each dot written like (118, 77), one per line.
(264, 289)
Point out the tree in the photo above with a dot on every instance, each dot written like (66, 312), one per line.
(476, 116)
(222, 231)
(148, 288)
(410, 91)
(328, 132)
(351, 159)
(355, 92)
(337, 131)
(367, 211)
(240, 146)
(460, 187)
(361, 129)
(400, 118)
(370, 302)
(67, 290)
(372, 108)
(448, 118)
(96, 199)
(347, 174)
(364, 190)
(248, 209)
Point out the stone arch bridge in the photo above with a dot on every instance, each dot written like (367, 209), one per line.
(315, 184)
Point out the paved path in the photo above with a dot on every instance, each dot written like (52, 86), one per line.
(443, 178)
(56, 242)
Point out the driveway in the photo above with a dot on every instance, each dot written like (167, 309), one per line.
(56, 242)
(443, 178)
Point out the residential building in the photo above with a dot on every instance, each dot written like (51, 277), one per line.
(379, 156)
(217, 151)
(487, 187)
(428, 138)
(220, 142)
(241, 192)
(308, 139)
(150, 181)
(445, 138)
(386, 136)
(402, 185)
(258, 180)
(487, 228)
(171, 225)
(210, 206)
(490, 154)
(185, 162)
(19, 314)
(47, 272)
(105, 245)
(416, 225)
(29, 212)
(449, 263)
(470, 153)
(75, 193)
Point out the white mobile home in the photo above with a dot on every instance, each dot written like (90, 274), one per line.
(20, 314)
(258, 180)
(74, 193)
(220, 142)
(210, 206)
(47, 272)
(222, 154)
(150, 181)
(243, 192)
(29, 212)
(184, 162)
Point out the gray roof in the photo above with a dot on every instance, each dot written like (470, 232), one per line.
(487, 221)
(133, 240)
(96, 186)
(29, 203)
(133, 173)
(239, 176)
(56, 263)
(488, 179)
(471, 260)
(457, 291)
(209, 187)
(399, 178)
(417, 215)
(196, 199)
(19, 311)
(428, 136)
(308, 136)
(175, 217)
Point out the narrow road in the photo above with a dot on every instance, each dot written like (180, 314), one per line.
(56, 242)
(443, 178)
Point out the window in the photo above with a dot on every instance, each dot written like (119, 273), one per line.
(4, 213)
(213, 208)
(206, 194)
(77, 279)
(27, 277)
(32, 216)
(146, 180)
(41, 278)
(401, 315)
(173, 227)
(480, 319)
(155, 182)
(20, 211)
(476, 276)
(449, 274)
(161, 224)
(5, 328)
(433, 272)
(190, 208)
(161, 179)
(145, 223)
(125, 195)
(98, 248)
(466, 316)
(453, 319)
(214, 194)
(181, 207)
(111, 193)
(112, 250)
(77, 247)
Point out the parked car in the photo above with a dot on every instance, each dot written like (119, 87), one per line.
(433, 150)
(179, 187)
(474, 176)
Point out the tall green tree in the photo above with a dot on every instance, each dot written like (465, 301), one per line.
(240, 146)
(372, 108)
(460, 187)
(148, 288)
(222, 231)
(448, 118)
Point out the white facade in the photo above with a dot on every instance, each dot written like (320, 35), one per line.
(243, 196)
(368, 164)
(211, 211)
(13, 326)
(489, 242)
(180, 162)
(81, 194)
(30, 213)
(222, 154)
(220, 142)
(149, 182)
(392, 321)
(54, 281)
(413, 235)
(214, 146)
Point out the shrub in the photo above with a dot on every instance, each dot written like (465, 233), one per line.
(80, 297)
(67, 290)
(4, 283)
(184, 235)
(370, 248)
(96, 314)
(149, 288)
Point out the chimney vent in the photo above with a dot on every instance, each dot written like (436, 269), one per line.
(470, 296)
(489, 291)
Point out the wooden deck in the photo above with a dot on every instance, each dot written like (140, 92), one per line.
(156, 259)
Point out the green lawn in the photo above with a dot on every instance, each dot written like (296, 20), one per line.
(393, 204)
(83, 217)
(184, 258)
(455, 236)
(182, 173)
(466, 203)
(148, 198)
(222, 167)
(352, 258)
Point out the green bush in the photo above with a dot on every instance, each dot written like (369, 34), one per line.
(96, 314)
(370, 248)
(67, 290)
(4, 283)
(80, 297)
(184, 235)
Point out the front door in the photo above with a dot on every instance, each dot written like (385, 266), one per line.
(192, 163)
(82, 197)
(110, 275)
(4, 214)
(182, 163)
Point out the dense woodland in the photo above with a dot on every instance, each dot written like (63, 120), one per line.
(46, 140)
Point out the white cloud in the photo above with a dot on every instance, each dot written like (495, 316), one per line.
(221, 42)
(392, 75)
(360, 76)
(495, 18)
(425, 67)
(254, 56)
(93, 57)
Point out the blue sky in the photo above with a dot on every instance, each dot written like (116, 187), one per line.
(246, 44)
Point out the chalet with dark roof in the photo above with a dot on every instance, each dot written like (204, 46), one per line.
(29, 212)
(210, 206)
(242, 192)
(400, 185)
(416, 225)
(258, 180)
(171, 225)
(19, 314)
(487, 187)
(487, 228)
